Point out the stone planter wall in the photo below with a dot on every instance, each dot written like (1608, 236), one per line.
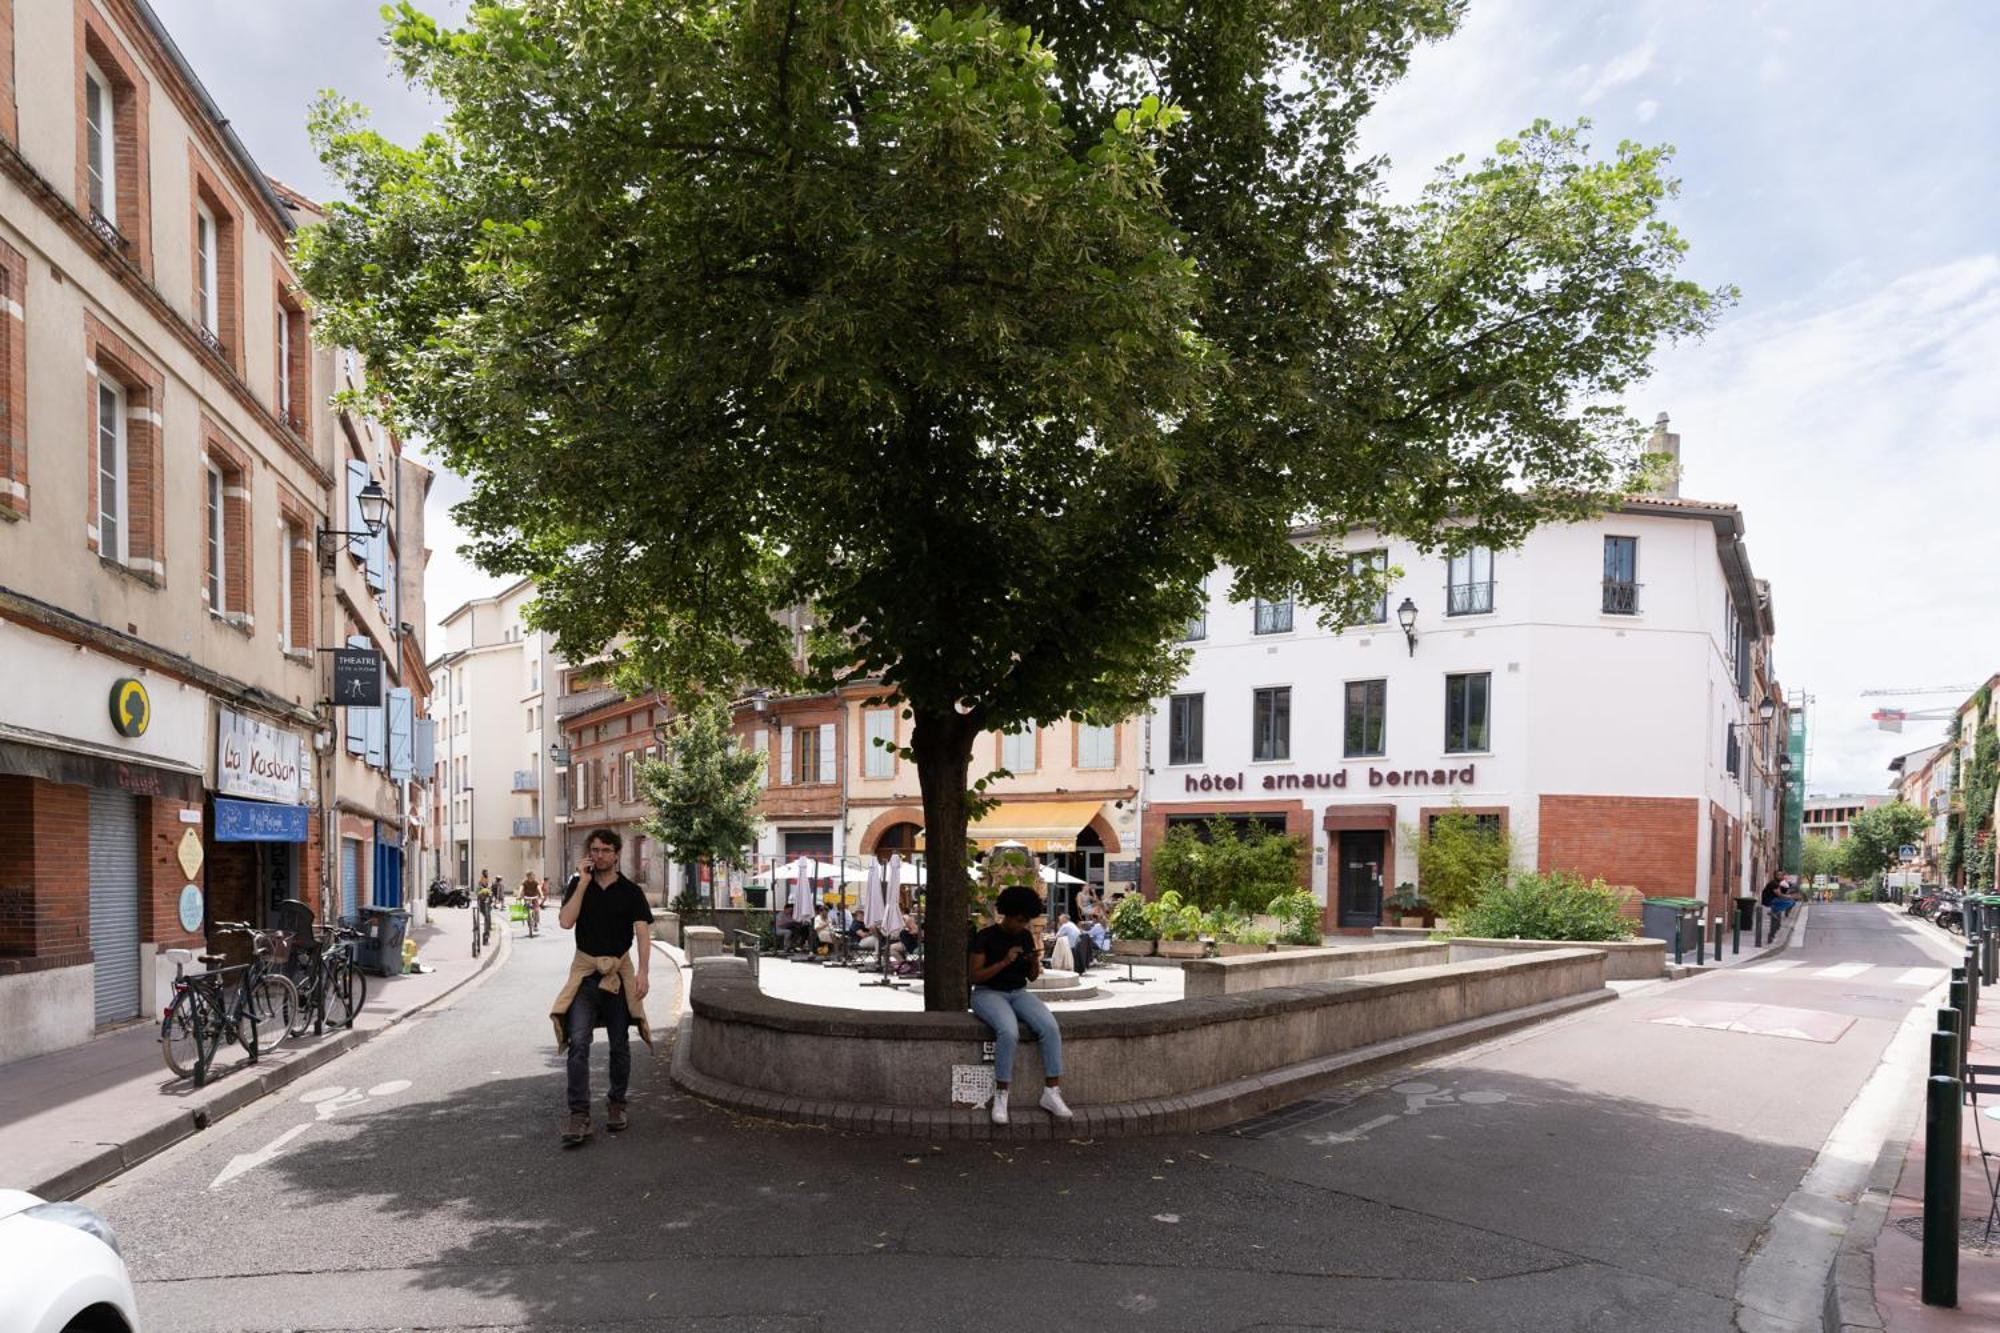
(1297, 966)
(1625, 960)
(1182, 949)
(1160, 1068)
(1132, 948)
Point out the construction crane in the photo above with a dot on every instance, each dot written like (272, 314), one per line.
(1892, 719)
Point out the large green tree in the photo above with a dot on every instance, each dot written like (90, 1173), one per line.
(1876, 834)
(984, 332)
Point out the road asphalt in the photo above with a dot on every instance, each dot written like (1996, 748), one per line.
(1613, 1170)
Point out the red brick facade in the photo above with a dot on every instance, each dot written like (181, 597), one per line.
(131, 98)
(1153, 829)
(1646, 843)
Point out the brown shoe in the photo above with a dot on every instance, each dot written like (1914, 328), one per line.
(614, 1116)
(576, 1129)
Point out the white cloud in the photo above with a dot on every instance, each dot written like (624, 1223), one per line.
(1646, 110)
(1857, 434)
(1621, 69)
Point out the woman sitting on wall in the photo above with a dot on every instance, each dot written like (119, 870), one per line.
(1003, 961)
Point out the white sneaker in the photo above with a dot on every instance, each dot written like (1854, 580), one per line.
(999, 1107)
(1053, 1103)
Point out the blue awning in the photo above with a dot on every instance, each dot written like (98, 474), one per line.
(258, 821)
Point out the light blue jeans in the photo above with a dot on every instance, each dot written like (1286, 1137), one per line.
(1004, 1011)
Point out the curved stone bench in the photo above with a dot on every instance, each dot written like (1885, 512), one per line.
(1171, 1067)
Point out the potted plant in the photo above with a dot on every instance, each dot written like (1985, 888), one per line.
(1132, 927)
(1298, 915)
(1235, 936)
(1410, 907)
(1179, 925)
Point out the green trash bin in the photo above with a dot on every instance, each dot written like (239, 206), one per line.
(380, 948)
(1668, 918)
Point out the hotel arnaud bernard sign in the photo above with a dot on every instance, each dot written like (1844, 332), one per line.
(1336, 780)
(260, 761)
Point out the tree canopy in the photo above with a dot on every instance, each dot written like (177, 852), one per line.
(1875, 835)
(987, 333)
(704, 789)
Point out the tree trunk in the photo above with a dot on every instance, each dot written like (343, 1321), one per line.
(943, 746)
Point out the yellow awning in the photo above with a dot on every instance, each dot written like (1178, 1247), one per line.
(1043, 826)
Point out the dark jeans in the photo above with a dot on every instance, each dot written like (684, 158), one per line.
(590, 1008)
(1084, 951)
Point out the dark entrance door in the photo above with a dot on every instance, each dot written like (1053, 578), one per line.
(1361, 877)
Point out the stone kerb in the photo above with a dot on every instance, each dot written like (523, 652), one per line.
(1246, 972)
(1624, 960)
(702, 941)
(1158, 1068)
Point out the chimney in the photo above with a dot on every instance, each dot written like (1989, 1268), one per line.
(1668, 443)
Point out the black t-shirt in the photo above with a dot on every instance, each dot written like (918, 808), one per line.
(990, 945)
(604, 922)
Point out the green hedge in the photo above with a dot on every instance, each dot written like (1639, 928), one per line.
(1555, 906)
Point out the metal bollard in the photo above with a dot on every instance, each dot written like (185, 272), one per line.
(1992, 956)
(1757, 927)
(1735, 934)
(1718, 939)
(1678, 942)
(1944, 1050)
(1953, 1021)
(1941, 1181)
(1971, 988)
(1700, 944)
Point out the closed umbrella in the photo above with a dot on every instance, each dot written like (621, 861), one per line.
(871, 896)
(892, 907)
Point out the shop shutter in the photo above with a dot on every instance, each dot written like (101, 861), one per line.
(350, 876)
(114, 904)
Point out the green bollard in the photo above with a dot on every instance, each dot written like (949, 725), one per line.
(1971, 988)
(1944, 1050)
(1718, 940)
(1700, 944)
(1941, 1181)
(1953, 1021)
(1735, 933)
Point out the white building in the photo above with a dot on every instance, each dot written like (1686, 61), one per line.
(492, 686)
(1584, 691)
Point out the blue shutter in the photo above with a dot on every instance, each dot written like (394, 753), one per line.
(357, 718)
(378, 737)
(378, 561)
(402, 746)
(357, 478)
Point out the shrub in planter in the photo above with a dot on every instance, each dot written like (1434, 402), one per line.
(1298, 917)
(1176, 920)
(1407, 902)
(1133, 919)
(1553, 906)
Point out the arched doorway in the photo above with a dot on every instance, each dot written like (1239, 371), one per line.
(898, 840)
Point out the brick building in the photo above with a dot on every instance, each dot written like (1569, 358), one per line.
(169, 462)
(1599, 693)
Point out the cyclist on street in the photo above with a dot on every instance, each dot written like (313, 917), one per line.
(531, 894)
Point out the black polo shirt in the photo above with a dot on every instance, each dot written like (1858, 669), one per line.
(604, 922)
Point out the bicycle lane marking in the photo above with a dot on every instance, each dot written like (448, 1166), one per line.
(326, 1102)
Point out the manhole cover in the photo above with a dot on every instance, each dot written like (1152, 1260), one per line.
(1284, 1118)
(1972, 1233)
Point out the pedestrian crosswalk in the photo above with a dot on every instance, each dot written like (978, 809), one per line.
(1877, 972)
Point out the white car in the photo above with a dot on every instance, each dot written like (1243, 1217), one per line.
(60, 1270)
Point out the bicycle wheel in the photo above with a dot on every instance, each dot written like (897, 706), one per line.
(180, 1034)
(346, 993)
(275, 1001)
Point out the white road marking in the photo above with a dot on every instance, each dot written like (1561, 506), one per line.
(1842, 971)
(1920, 976)
(249, 1161)
(1774, 967)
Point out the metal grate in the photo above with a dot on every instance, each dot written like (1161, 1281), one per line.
(1285, 1118)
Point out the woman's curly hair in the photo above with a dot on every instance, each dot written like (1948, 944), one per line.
(1019, 900)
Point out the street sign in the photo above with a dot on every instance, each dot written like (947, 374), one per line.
(1906, 853)
(131, 708)
(357, 677)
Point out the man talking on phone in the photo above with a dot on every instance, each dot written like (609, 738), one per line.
(610, 916)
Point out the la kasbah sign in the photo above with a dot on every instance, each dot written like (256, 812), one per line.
(131, 707)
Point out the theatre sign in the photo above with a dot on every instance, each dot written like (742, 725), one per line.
(1339, 779)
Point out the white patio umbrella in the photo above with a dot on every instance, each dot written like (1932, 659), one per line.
(871, 895)
(892, 906)
(1050, 875)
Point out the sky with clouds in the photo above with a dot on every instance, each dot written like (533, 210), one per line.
(1837, 167)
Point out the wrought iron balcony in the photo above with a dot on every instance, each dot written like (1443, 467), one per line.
(1469, 599)
(1274, 617)
(526, 779)
(527, 826)
(1621, 597)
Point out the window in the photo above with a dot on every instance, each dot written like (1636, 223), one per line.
(100, 143)
(1371, 562)
(1621, 576)
(1096, 747)
(1018, 751)
(1274, 617)
(1467, 705)
(1470, 590)
(1732, 752)
(206, 297)
(811, 753)
(531, 718)
(113, 535)
(1488, 824)
(1184, 729)
(878, 730)
(212, 586)
(1367, 703)
(1196, 628)
(1271, 724)
(288, 565)
(284, 364)
(627, 766)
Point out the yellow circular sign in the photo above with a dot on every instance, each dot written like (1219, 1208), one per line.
(131, 707)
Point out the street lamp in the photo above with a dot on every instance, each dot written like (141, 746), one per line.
(1766, 711)
(1406, 616)
(373, 502)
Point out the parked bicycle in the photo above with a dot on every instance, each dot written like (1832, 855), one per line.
(274, 997)
(210, 1010)
(332, 987)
